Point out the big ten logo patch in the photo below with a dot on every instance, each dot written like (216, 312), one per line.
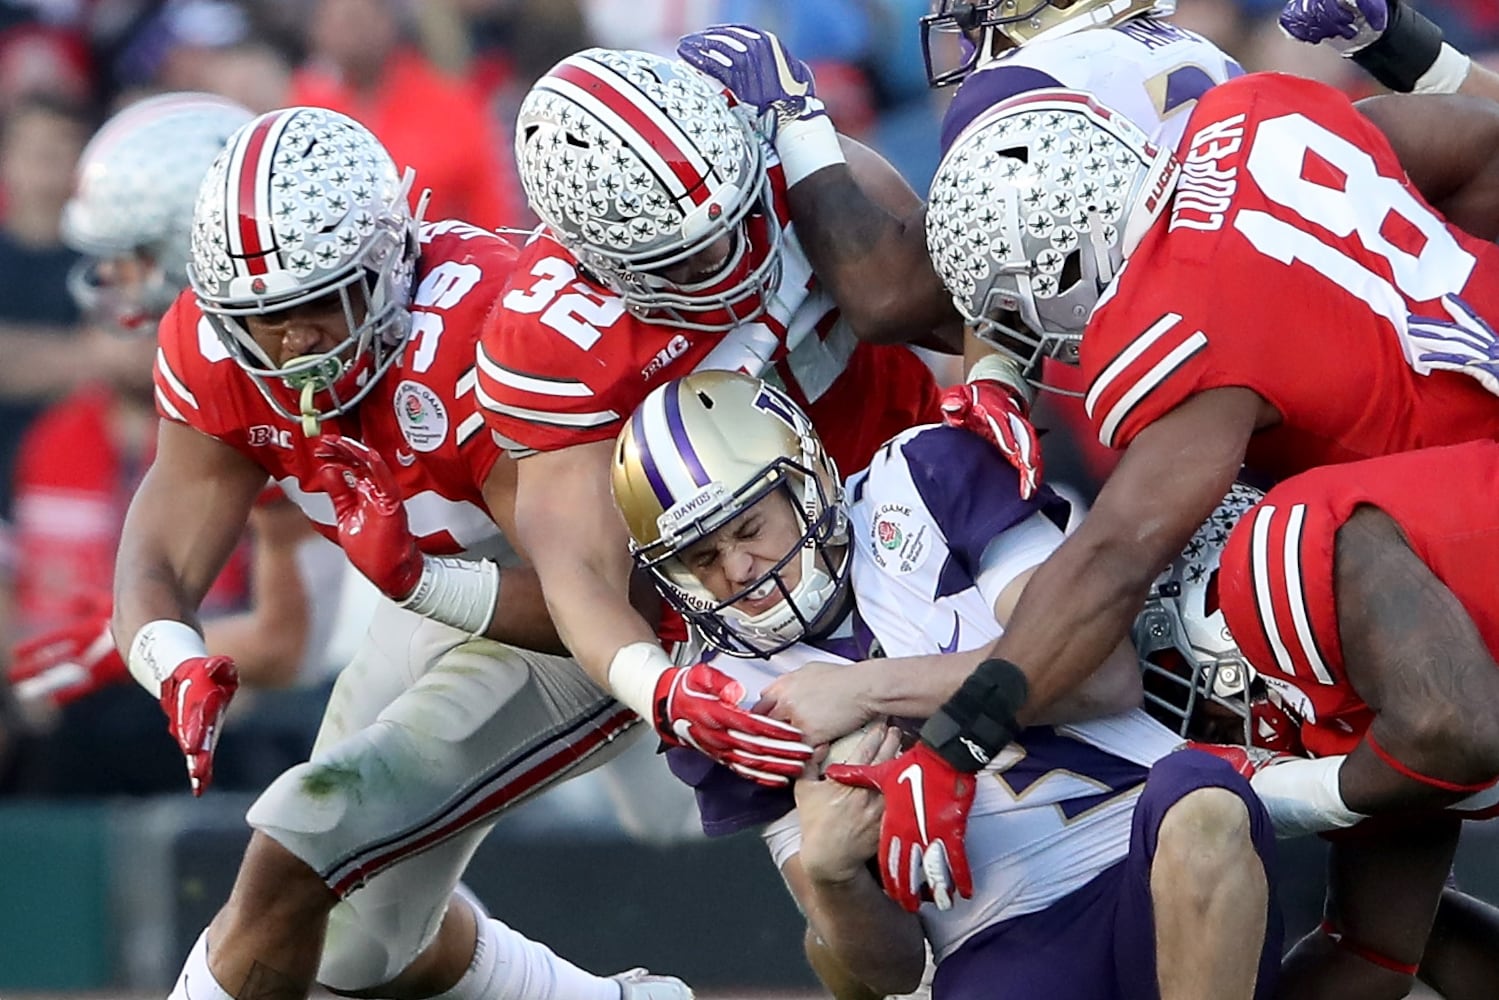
(898, 540)
(421, 415)
(264, 436)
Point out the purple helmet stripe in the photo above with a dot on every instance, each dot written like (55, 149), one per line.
(648, 461)
(680, 439)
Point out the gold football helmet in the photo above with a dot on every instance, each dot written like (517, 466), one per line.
(699, 452)
(978, 22)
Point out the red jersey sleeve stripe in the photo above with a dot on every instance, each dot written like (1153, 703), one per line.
(1275, 547)
(538, 384)
(1137, 370)
(171, 381)
(164, 405)
(597, 418)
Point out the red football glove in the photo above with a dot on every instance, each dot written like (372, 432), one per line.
(372, 527)
(195, 698)
(1248, 761)
(698, 707)
(926, 818)
(65, 665)
(994, 412)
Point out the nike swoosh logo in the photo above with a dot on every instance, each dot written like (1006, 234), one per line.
(952, 644)
(789, 83)
(182, 697)
(912, 776)
(405, 457)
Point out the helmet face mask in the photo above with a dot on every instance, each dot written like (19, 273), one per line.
(982, 22)
(328, 221)
(131, 211)
(1197, 681)
(1032, 214)
(637, 164)
(804, 579)
(698, 458)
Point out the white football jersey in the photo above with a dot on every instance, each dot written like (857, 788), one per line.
(1055, 807)
(1146, 69)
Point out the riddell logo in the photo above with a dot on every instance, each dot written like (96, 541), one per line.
(258, 286)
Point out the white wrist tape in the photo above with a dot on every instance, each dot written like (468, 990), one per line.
(457, 592)
(1446, 74)
(633, 674)
(1302, 796)
(1003, 370)
(159, 648)
(806, 146)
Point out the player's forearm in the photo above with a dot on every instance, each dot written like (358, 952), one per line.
(521, 617)
(855, 245)
(1075, 611)
(40, 362)
(880, 944)
(592, 614)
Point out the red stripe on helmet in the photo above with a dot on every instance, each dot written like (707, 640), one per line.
(253, 253)
(656, 137)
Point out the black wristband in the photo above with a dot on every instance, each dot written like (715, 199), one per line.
(1407, 49)
(979, 720)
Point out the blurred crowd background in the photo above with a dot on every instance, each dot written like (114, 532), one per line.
(438, 81)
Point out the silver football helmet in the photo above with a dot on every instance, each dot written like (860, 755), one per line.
(305, 203)
(1032, 213)
(1189, 658)
(640, 167)
(1018, 22)
(698, 453)
(136, 183)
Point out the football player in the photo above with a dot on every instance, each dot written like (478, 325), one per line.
(668, 247)
(1143, 66)
(1075, 826)
(1372, 569)
(130, 216)
(1394, 42)
(327, 341)
(1059, 228)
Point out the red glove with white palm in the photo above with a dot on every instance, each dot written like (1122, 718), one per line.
(195, 697)
(921, 836)
(62, 666)
(698, 707)
(993, 405)
(372, 526)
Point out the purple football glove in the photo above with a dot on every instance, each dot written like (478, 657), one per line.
(756, 67)
(1346, 25)
(1463, 343)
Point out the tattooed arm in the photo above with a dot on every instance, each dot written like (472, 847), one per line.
(861, 223)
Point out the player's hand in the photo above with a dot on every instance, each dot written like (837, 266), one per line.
(756, 67)
(1248, 761)
(63, 666)
(822, 700)
(195, 698)
(926, 819)
(1462, 341)
(840, 823)
(698, 707)
(996, 413)
(372, 526)
(1347, 25)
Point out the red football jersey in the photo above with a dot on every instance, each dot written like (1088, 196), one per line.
(1287, 262)
(73, 483)
(563, 362)
(1276, 578)
(421, 417)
